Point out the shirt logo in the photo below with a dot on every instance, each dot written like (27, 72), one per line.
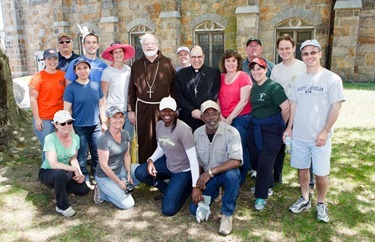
(262, 96)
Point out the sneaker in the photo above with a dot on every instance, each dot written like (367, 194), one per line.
(67, 212)
(322, 212)
(97, 198)
(253, 174)
(93, 181)
(300, 205)
(218, 198)
(270, 191)
(226, 225)
(260, 204)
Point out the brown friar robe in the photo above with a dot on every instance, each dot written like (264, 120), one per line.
(149, 83)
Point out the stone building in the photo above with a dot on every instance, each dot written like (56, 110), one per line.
(345, 28)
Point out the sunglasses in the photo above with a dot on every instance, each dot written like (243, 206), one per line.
(116, 43)
(69, 123)
(311, 53)
(64, 42)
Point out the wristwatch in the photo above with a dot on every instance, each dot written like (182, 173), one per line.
(210, 173)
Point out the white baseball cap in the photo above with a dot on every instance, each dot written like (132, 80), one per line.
(168, 102)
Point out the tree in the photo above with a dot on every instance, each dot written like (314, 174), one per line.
(11, 117)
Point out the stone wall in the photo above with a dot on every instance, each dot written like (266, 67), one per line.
(32, 25)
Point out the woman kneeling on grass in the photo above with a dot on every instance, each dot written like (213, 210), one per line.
(60, 168)
(113, 174)
(175, 158)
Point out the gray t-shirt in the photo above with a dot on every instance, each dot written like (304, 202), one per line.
(116, 151)
(314, 94)
(175, 144)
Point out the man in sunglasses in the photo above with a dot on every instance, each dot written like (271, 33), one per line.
(66, 53)
(316, 97)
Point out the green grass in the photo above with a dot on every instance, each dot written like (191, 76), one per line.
(27, 207)
(359, 85)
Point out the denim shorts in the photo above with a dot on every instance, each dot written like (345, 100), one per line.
(305, 153)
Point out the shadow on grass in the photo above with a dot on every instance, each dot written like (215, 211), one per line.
(28, 209)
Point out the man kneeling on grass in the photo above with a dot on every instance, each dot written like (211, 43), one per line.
(219, 155)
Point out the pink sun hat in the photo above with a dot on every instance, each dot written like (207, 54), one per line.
(129, 51)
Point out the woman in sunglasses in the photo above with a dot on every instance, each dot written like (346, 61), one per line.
(60, 169)
(46, 89)
(84, 99)
(115, 78)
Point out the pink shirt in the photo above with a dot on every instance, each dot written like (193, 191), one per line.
(230, 94)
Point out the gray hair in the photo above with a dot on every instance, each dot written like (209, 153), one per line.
(148, 36)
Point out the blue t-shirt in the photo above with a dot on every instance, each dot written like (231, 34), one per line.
(97, 68)
(85, 102)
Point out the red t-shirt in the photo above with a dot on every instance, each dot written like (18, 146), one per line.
(230, 94)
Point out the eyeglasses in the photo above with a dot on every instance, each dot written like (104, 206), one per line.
(64, 42)
(305, 54)
(69, 123)
(211, 114)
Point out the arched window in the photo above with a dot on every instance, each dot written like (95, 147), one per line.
(298, 29)
(210, 36)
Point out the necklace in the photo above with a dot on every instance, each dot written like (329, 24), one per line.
(197, 79)
(153, 82)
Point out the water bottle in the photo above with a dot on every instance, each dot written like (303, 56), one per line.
(288, 144)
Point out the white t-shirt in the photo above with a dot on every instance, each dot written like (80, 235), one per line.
(118, 86)
(286, 75)
(314, 94)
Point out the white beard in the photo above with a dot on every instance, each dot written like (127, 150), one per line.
(151, 53)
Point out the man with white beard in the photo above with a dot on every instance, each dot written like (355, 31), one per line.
(152, 78)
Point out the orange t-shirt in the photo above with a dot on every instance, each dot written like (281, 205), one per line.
(50, 89)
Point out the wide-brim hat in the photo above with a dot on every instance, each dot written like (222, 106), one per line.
(129, 51)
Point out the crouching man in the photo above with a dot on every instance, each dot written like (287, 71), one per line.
(219, 155)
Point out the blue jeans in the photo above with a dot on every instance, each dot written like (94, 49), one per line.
(241, 123)
(48, 129)
(88, 138)
(110, 191)
(128, 126)
(230, 180)
(175, 193)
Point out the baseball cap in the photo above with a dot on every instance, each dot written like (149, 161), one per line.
(62, 116)
(168, 102)
(253, 39)
(183, 48)
(111, 111)
(63, 35)
(80, 60)
(48, 53)
(259, 61)
(209, 104)
(310, 42)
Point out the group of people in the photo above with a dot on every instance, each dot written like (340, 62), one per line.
(200, 130)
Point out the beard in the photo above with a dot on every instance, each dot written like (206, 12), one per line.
(213, 125)
(151, 53)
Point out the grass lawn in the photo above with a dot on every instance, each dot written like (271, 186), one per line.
(27, 206)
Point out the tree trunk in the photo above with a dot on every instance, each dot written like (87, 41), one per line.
(11, 116)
